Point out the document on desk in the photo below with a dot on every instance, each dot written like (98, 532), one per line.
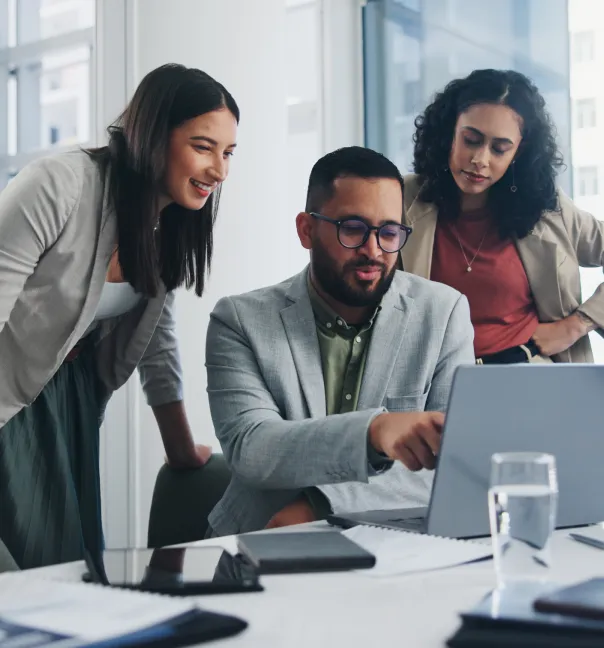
(401, 552)
(78, 610)
(36, 613)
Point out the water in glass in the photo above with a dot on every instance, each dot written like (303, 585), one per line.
(522, 507)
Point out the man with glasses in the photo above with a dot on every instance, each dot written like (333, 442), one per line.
(327, 390)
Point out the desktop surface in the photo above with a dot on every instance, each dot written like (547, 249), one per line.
(327, 609)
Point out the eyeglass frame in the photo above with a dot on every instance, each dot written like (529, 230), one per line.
(370, 228)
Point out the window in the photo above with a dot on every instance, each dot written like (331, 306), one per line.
(587, 181)
(46, 79)
(412, 49)
(585, 110)
(584, 49)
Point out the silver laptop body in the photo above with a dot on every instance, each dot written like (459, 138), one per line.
(551, 408)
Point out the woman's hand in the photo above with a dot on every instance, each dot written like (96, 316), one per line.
(555, 337)
(196, 458)
(181, 451)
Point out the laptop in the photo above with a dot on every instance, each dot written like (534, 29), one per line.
(553, 408)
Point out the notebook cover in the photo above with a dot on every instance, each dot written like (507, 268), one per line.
(281, 553)
(508, 617)
(585, 600)
(189, 629)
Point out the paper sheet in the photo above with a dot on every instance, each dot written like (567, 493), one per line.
(400, 552)
(80, 609)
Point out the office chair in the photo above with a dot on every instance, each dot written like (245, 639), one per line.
(182, 501)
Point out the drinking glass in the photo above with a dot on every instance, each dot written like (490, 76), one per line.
(523, 499)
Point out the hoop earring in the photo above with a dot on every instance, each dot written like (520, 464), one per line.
(513, 187)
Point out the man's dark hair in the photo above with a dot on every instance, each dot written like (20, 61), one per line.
(351, 161)
(179, 253)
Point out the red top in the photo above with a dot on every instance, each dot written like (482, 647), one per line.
(502, 307)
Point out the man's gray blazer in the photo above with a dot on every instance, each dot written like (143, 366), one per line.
(267, 396)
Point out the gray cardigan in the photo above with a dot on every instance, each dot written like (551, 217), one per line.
(57, 235)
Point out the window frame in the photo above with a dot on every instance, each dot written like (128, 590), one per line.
(586, 107)
(580, 46)
(17, 56)
(594, 180)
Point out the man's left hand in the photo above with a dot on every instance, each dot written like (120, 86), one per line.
(555, 337)
(298, 512)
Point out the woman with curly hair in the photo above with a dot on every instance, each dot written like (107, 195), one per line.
(488, 220)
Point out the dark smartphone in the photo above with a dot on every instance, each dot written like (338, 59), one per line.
(584, 600)
(176, 571)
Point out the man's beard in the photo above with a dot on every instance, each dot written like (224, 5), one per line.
(351, 292)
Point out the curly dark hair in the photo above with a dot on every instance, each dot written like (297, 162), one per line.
(536, 162)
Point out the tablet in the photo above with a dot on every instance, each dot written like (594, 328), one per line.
(174, 570)
(303, 551)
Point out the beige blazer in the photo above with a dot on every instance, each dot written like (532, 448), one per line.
(57, 235)
(561, 243)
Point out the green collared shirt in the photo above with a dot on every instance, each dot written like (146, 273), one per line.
(343, 354)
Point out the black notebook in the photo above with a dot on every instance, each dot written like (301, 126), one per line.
(584, 599)
(508, 618)
(189, 629)
(306, 551)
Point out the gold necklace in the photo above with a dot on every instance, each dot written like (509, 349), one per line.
(469, 263)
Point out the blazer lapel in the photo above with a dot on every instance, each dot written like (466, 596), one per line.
(299, 323)
(386, 339)
(540, 260)
(133, 331)
(416, 256)
(106, 242)
(539, 257)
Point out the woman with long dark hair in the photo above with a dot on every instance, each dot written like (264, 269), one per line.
(489, 220)
(92, 246)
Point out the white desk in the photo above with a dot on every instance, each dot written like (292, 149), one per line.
(353, 611)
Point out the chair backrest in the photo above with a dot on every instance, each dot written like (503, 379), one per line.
(182, 501)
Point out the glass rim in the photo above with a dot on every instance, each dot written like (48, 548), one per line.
(404, 235)
(405, 231)
(398, 248)
(523, 457)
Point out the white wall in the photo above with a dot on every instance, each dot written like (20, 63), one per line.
(242, 44)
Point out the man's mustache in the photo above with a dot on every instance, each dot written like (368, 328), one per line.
(364, 263)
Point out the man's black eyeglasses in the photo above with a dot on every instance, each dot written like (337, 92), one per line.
(354, 233)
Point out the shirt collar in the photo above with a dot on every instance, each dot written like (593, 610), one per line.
(325, 314)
